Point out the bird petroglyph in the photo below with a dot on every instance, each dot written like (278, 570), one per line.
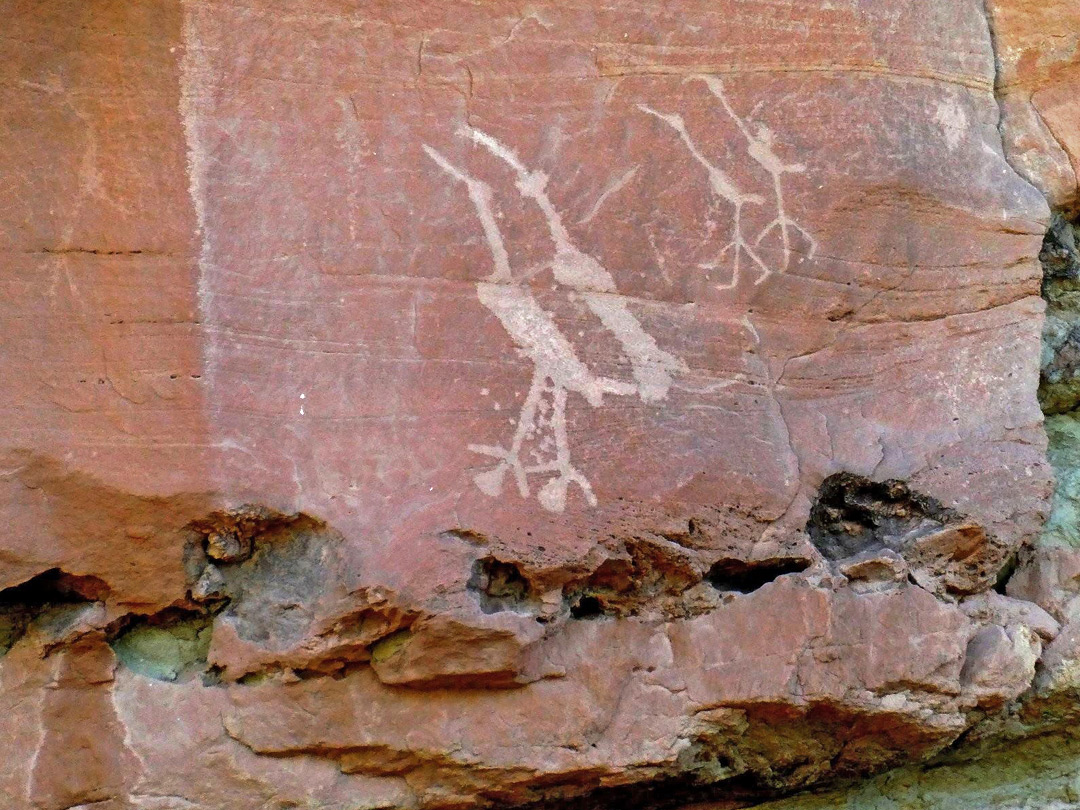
(540, 446)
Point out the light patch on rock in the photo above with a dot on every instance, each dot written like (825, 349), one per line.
(952, 119)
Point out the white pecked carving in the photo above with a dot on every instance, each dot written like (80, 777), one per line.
(540, 445)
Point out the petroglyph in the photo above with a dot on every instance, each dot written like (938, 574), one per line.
(759, 146)
(725, 188)
(540, 445)
(614, 188)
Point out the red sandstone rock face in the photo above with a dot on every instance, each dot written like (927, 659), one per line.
(1039, 65)
(452, 387)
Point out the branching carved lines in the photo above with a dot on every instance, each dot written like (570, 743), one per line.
(540, 445)
(760, 148)
(759, 141)
(481, 195)
(577, 270)
(724, 188)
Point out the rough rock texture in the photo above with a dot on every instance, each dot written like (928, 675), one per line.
(1038, 49)
(449, 405)
(1040, 774)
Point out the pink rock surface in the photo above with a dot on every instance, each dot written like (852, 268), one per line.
(472, 371)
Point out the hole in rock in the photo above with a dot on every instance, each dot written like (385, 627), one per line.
(644, 576)
(586, 607)
(745, 577)
(1059, 256)
(499, 585)
(231, 536)
(21, 604)
(854, 514)
(55, 587)
(1002, 582)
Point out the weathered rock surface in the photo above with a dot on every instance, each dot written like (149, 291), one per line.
(1038, 50)
(451, 405)
(1040, 774)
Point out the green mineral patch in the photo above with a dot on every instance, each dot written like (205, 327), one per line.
(1063, 526)
(13, 623)
(385, 648)
(166, 650)
(1059, 383)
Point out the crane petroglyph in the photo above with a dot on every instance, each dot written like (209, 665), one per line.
(540, 444)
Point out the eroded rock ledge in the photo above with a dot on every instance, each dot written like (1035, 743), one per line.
(668, 669)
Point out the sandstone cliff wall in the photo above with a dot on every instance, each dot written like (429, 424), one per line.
(451, 405)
